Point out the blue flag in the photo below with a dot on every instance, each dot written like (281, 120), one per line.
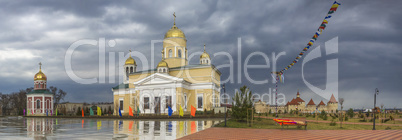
(46, 112)
(120, 112)
(170, 110)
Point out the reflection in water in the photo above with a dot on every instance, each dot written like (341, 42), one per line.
(38, 128)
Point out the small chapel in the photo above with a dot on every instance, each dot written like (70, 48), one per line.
(40, 100)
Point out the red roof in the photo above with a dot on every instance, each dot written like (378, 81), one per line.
(311, 102)
(298, 99)
(321, 103)
(332, 100)
(293, 102)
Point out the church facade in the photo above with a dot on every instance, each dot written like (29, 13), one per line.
(173, 83)
(39, 100)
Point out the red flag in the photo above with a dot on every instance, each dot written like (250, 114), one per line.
(130, 111)
(193, 111)
(82, 112)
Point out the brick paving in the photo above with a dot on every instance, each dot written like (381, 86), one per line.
(242, 133)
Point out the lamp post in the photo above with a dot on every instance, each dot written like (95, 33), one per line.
(224, 92)
(375, 96)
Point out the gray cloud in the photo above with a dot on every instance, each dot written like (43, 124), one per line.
(369, 42)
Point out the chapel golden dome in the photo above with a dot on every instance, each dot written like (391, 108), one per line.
(162, 64)
(205, 54)
(174, 31)
(40, 75)
(130, 61)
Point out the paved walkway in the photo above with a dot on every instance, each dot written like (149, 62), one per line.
(242, 133)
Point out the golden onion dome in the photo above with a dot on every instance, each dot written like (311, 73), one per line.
(174, 32)
(40, 75)
(130, 61)
(162, 64)
(205, 54)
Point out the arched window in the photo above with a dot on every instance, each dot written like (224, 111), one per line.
(164, 70)
(170, 53)
(179, 53)
(37, 104)
(131, 69)
(207, 61)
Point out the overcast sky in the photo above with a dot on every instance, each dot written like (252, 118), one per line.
(369, 50)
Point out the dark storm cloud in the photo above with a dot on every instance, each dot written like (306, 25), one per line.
(369, 42)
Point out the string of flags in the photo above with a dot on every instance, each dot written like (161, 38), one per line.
(314, 38)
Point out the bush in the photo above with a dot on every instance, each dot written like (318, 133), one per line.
(325, 117)
(333, 122)
(346, 118)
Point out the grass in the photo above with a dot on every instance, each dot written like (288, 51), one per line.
(270, 124)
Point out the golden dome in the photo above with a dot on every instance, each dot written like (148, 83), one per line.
(205, 54)
(174, 32)
(40, 75)
(130, 61)
(162, 64)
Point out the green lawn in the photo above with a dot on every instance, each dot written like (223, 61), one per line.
(270, 124)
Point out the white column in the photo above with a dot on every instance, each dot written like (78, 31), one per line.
(175, 51)
(43, 104)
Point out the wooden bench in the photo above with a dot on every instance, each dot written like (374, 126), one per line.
(299, 119)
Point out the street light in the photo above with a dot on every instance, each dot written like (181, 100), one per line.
(375, 96)
(224, 92)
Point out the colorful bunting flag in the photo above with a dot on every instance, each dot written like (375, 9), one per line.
(56, 111)
(82, 110)
(24, 112)
(315, 36)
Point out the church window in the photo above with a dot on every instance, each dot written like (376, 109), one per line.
(185, 101)
(146, 102)
(131, 69)
(38, 104)
(199, 102)
(164, 70)
(207, 61)
(170, 53)
(121, 104)
(179, 53)
(168, 101)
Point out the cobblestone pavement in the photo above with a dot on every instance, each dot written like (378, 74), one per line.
(242, 133)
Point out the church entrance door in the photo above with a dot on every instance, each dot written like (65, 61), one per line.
(157, 105)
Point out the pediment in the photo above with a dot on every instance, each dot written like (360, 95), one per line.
(158, 78)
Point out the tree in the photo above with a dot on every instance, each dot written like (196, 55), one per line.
(350, 113)
(269, 111)
(58, 94)
(242, 102)
(79, 112)
(341, 100)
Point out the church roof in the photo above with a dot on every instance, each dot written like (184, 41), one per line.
(332, 100)
(311, 102)
(121, 86)
(40, 91)
(321, 103)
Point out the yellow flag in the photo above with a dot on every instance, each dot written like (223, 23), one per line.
(181, 112)
(99, 111)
